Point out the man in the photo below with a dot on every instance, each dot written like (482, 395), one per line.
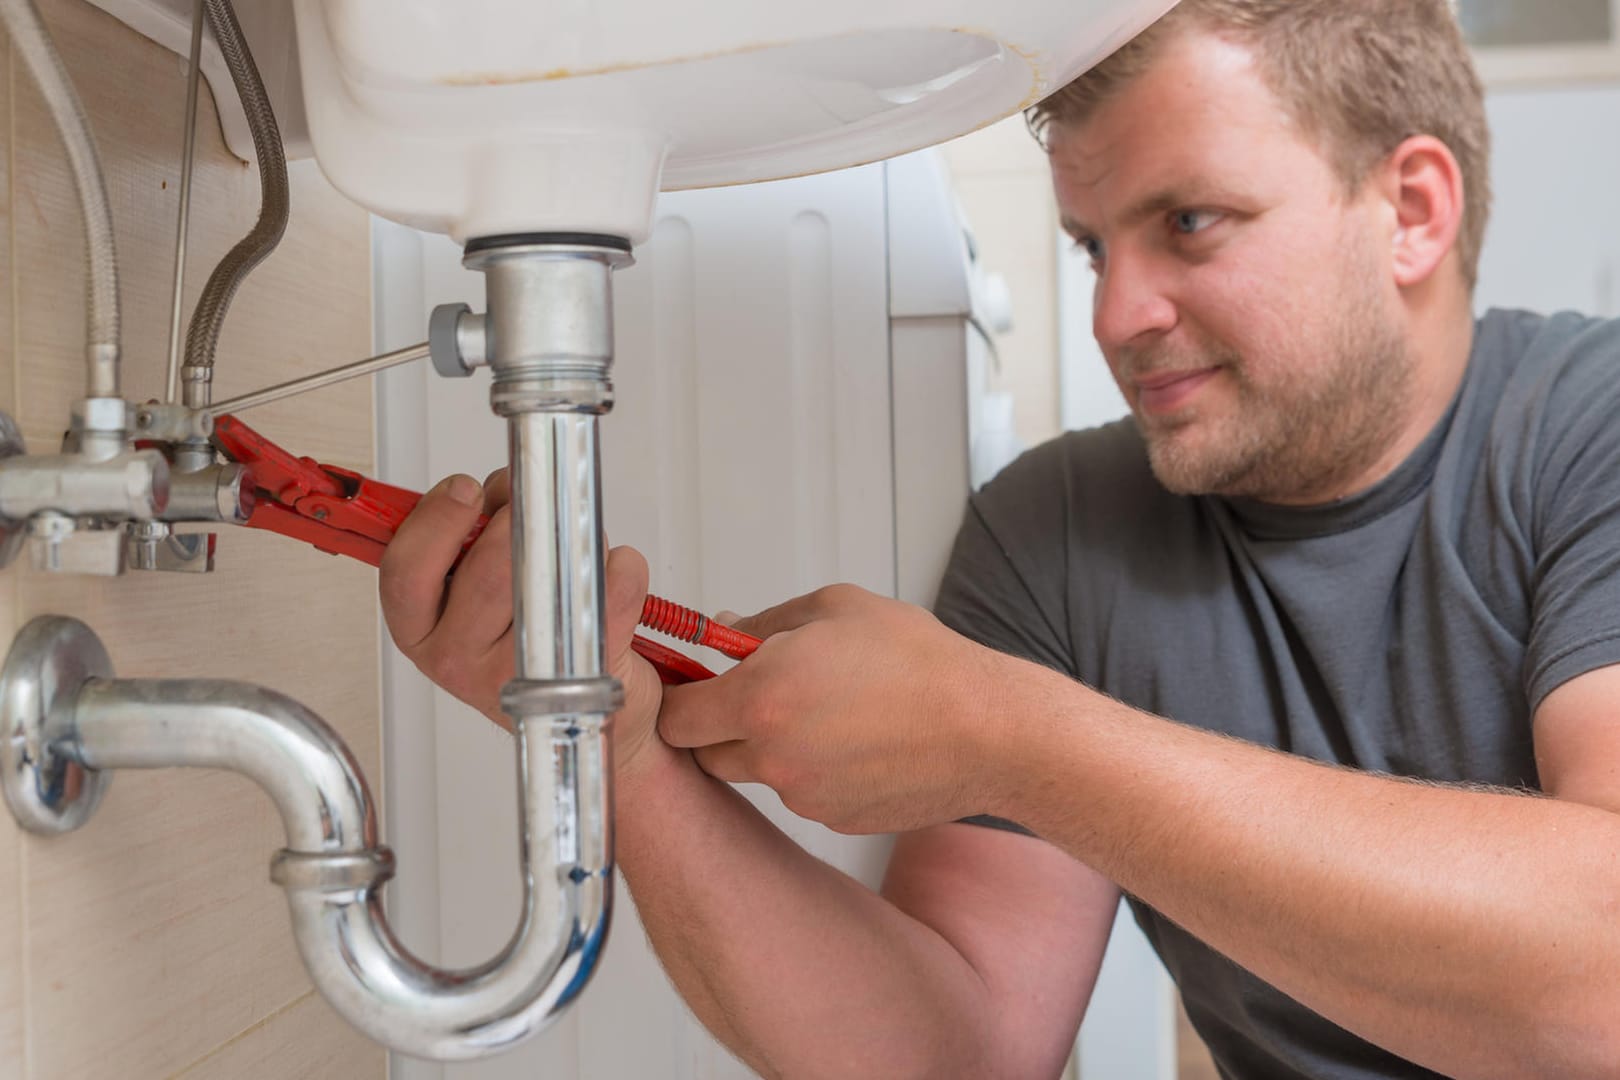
(1353, 540)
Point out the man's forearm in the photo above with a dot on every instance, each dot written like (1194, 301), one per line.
(799, 968)
(1475, 932)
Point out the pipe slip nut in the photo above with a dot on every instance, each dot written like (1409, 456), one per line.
(524, 699)
(335, 872)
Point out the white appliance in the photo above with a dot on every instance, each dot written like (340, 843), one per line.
(793, 366)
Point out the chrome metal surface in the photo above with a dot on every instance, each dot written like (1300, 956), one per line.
(297, 870)
(561, 697)
(188, 156)
(192, 456)
(100, 428)
(221, 493)
(333, 866)
(131, 485)
(103, 415)
(172, 423)
(57, 545)
(557, 553)
(298, 760)
(49, 663)
(548, 334)
(549, 326)
(154, 545)
(196, 386)
(549, 330)
(323, 379)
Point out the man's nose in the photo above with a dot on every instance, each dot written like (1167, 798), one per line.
(1129, 302)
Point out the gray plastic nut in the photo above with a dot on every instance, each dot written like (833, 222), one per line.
(444, 341)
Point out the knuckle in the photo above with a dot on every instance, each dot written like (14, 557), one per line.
(844, 595)
(829, 597)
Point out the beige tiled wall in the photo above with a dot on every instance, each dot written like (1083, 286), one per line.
(151, 943)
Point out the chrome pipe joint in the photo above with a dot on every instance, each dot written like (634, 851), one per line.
(72, 507)
(102, 506)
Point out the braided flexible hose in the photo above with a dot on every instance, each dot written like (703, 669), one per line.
(202, 336)
(33, 43)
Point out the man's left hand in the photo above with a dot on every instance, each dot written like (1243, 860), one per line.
(863, 713)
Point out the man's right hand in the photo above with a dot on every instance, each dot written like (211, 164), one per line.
(458, 630)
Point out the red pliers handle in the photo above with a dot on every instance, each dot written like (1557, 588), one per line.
(344, 513)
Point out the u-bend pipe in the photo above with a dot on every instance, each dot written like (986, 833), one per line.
(333, 868)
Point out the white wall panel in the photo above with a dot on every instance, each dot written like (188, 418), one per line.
(749, 457)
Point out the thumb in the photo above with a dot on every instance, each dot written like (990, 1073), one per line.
(415, 563)
(789, 615)
(625, 592)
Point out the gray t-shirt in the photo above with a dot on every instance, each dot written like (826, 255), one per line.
(1411, 629)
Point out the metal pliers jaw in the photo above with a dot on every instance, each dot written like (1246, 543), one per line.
(343, 513)
(335, 509)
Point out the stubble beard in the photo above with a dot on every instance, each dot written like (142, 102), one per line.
(1299, 439)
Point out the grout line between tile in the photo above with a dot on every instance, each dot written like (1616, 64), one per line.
(244, 1033)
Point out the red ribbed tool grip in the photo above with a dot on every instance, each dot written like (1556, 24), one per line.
(668, 617)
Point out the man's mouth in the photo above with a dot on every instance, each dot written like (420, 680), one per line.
(1166, 391)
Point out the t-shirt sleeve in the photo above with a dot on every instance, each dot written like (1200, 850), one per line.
(985, 597)
(1575, 614)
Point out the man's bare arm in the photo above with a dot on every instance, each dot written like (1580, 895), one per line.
(1474, 932)
(976, 961)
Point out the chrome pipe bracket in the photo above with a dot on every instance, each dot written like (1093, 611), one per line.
(561, 697)
(154, 545)
(50, 661)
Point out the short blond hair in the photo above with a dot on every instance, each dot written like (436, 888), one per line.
(1358, 76)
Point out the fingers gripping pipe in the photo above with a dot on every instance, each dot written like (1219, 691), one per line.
(67, 723)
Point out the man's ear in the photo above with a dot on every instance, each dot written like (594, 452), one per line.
(1423, 185)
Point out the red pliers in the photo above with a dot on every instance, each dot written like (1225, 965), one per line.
(344, 513)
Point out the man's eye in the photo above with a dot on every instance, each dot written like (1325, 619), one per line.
(1188, 222)
(1091, 246)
